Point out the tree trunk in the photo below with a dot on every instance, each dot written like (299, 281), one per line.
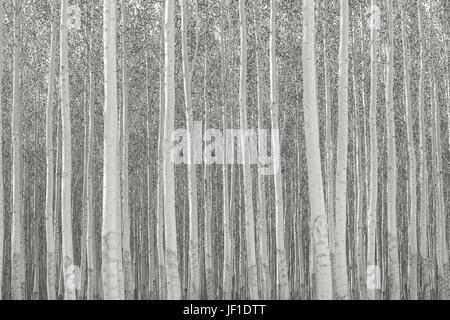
(227, 248)
(393, 263)
(342, 155)
(194, 266)
(319, 224)
(92, 286)
(17, 232)
(247, 172)
(171, 252)
(50, 227)
(2, 198)
(111, 231)
(360, 158)
(330, 158)
(160, 204)
(281, 276)
(262, 214)
(423, 218)
(373, 279)
(127, 266)
(412, 226)
(441, 242)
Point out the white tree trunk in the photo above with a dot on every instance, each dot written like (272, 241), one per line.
(92, 289)
(127, 264)
(281, 276)
(263, 261)
(372, 265)
(247, 173)
(319, 224)
(171, 252)
(227, 222)
(194, 265)
(423, 218)
(393, 263)
(412, 226)
(17, 232)
(49, 217)
(342, 155)
(330, 172)
(66, 182)
(111, 231)
(441, 241)
(160, 205)
(2, 210)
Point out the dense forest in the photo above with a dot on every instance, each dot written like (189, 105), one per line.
(230, 149)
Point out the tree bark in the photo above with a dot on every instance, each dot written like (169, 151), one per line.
(50, 227)
(393, 263)
(423, 217)
(319, 224)
(282, 275)
(247, 173)
(92, 287)
(262, 212)
(412, 226)
(128, 268)
(372, 263)
(111, 231)
(342, 292)
(2, 197)
(17, 232)
(171, 251)
(194, 266)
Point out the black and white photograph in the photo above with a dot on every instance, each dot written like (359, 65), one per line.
(224, 150)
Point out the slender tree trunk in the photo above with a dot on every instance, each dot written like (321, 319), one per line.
(171, 252)
(342, 291)
(50, 227)
(57, 205)
(330, 169)
(447, 96)
(92, 286)
(160, 205)
(119, 157)
(281, 276)
(111, 231)
(127, 266)
(17, 232)
(84, 230)
(412, 226)
(207, 191)
(372, 264)
(359, 151)
(319, 224)
(423, 218)
(393, 263)
(442, 251)
(365, 168)
(247, 172)
(2, 197)
(227, 234)
(194, 266)
(66, 182)
(262, 214)
(151, 160)
(36, 226)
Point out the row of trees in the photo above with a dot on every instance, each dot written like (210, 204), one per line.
(93, 207)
